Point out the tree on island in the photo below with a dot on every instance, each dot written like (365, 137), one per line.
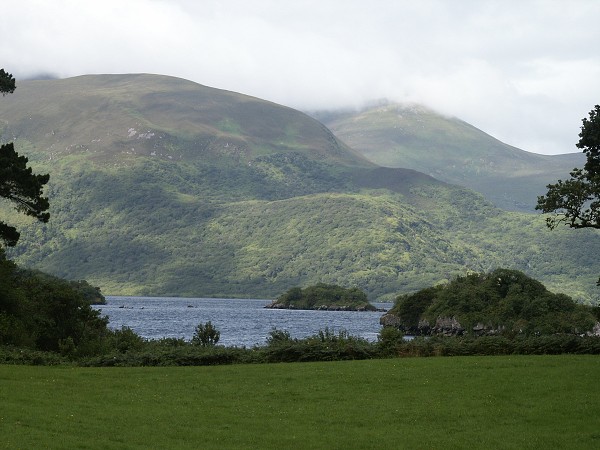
(18, 183)
(503, 302)
(324, 296)
(576, 202)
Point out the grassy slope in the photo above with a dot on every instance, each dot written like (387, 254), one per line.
(219, 194)
(476, 402)
(451, 150)
(111, 118)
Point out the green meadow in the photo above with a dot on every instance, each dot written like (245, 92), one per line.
(446, 402)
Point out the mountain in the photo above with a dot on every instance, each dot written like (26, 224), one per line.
(416, 137)
(119, 117)
(161, 186)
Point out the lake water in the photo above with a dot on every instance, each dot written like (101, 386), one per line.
(242, 322)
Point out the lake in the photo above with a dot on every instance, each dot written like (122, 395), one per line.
(242, 322)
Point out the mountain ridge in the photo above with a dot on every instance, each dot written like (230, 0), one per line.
(205, 118)
(449, 149)
(203, 192)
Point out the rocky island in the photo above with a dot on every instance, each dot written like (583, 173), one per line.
(503, 302)
(324, 297)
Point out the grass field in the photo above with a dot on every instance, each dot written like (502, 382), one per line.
(512, 402)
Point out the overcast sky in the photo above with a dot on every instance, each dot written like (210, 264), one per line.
(523, 71)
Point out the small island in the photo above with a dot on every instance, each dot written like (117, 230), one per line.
(503, 302)
(323, 297)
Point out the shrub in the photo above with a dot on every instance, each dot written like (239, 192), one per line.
(30, 357)
(277, 337)
(206, 335)
(388, 340)
(125, 339)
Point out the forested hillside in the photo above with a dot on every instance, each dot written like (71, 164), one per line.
(160, 186)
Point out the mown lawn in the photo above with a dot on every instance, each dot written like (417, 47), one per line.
(511, 402)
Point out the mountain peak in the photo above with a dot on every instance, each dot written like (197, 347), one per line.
(416, 137)
(133, 115)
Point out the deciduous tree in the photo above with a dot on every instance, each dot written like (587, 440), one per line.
(576, 202)
(206, 335)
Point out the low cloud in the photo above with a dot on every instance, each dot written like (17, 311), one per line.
(525, 72)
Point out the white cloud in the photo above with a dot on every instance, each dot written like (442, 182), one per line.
(524, 71)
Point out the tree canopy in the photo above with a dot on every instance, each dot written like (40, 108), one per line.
(590, 142)
(18, 183)
(576, 202)
(43, 312)
(504, 302)
(323, 296)
(7, 82)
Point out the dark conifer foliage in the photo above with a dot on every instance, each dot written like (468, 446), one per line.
(18, 183)
(21, 186)
(7, 82)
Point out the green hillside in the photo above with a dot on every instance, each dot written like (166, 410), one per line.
(113, 118)
(412, 136)
(160, 186)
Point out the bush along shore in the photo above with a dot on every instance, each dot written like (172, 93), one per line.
(125, 348)
(48, 321)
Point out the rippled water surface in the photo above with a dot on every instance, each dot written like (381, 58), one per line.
(242, 322)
